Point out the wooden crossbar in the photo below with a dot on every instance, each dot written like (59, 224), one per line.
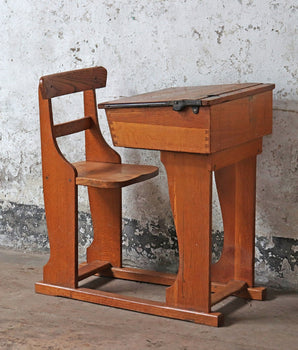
(230, 288)
(92, 268)
(167, 279)
(72, 127)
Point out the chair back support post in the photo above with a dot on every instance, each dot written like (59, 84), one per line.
(60, 198)
(97, 148)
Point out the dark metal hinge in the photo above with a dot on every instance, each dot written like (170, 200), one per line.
(181, 104)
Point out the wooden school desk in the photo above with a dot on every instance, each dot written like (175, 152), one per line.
(200, 130)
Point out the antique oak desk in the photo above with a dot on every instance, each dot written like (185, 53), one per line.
(198, 131)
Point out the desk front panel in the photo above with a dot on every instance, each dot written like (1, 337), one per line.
(214, 128)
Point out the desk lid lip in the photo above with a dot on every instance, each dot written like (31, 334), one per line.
(216, 94)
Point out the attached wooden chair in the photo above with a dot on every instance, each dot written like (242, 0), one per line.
(102, 172)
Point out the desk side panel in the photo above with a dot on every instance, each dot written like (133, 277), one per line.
(239, 121)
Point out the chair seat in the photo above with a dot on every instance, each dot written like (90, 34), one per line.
(111, 175)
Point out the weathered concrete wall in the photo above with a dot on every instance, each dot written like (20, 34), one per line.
(147, 46)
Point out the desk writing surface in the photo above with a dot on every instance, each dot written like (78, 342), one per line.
(211, 118)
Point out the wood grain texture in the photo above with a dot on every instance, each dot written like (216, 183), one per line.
(72, 127)
(161, 116)
(73, 81)
(92, 268)
(223, 270)
(214, 319)
(167, 279)
(235, 154)
(245, 210)
(254, 293)
(168, 138)
(97, 149)
(106, 212)
(239, 121)
(109, 175)
(236, 190)
(105, 204)
(60, 198)
(240, 118)
(190, 196)
(212, 94)
(140, 275)
(231, 288)
(60, 179)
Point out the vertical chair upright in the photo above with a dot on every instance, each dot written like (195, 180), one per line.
(102, 172)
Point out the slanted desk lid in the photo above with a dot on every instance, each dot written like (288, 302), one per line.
(194, 96)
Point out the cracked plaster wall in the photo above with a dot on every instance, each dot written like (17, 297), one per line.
(147, 46)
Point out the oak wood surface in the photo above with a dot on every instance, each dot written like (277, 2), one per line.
(140, 275)
(254, 293)
(167, 138)
(190, 197)
(167, 279)
(209, 95)
(72, 127)
(106, 210)
(162, 116)
(105, 203)
(72, 81)
(60, 198)
(232, 287)
(239, 121)
(223, 270)
(60, 180)
(216, 127)
(109, 175)
(92, 268)
(214, 319)
(245, 211)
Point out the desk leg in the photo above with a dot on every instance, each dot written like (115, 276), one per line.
(223, 270)
(190, 182)
(236, 186)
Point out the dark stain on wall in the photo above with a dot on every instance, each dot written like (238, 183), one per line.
(23, 227)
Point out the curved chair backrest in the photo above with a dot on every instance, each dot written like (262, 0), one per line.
(81, 80)
(73, 81)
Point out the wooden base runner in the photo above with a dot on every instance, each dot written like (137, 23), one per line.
(220, 291)
(129, 303)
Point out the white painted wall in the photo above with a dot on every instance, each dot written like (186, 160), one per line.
(148, 45)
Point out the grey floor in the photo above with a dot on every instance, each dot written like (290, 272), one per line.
(32, 321)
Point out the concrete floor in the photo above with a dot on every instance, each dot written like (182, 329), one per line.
(32, 321)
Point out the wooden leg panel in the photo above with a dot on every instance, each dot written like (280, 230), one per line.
(245, 220)
(190, 182)
(105, 206)
(61, 214)
(223, 270)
